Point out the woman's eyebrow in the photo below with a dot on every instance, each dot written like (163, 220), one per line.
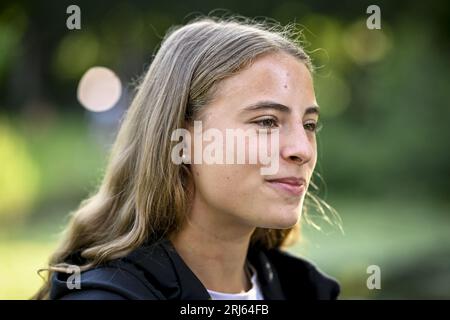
(266, 105)
(313, 109)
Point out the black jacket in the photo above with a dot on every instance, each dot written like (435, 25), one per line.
(158, 272)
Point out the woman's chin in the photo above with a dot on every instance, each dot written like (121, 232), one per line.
(284, 220)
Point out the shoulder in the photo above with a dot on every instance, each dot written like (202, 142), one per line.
(92, 294)
(115, 281)
(123, 278)
(154, 271)
(301, 278)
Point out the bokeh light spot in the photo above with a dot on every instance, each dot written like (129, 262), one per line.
(99, 89)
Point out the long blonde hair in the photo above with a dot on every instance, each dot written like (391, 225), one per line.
(143, 195)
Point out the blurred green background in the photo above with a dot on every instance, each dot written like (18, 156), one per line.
(383, 150)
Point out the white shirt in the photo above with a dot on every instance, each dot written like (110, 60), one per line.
(253, 294)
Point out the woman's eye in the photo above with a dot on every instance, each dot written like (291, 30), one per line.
(313, 127)
(267, 123)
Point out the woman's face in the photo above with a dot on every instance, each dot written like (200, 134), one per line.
(275, 92)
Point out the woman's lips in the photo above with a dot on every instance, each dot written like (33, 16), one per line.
(291, 186)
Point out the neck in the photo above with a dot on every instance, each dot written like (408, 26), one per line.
(215, 249)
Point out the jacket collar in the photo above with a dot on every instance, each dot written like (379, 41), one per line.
(181, 283)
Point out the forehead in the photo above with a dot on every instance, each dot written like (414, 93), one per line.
(277, 76)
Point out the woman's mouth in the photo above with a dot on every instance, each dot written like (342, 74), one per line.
(290, 185)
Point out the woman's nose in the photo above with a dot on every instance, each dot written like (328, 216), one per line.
(296, 145)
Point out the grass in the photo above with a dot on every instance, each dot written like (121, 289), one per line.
(20, 261)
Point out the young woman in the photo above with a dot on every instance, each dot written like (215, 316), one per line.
(159, 228)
